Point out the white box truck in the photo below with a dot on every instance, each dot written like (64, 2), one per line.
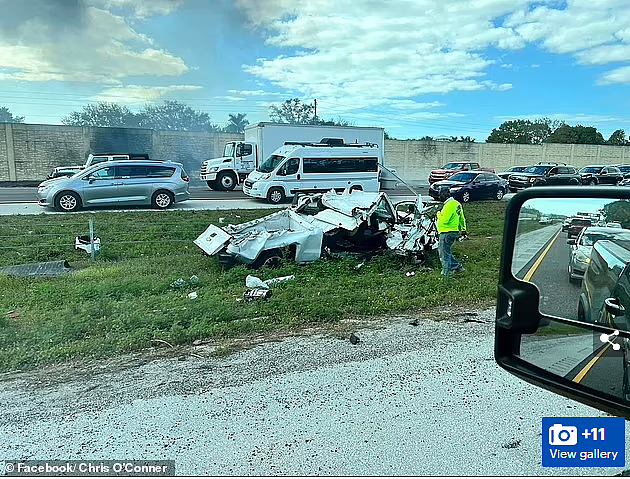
(240, 158)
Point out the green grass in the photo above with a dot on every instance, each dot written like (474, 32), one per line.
(124, 299)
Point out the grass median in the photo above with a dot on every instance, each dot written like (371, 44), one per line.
(123, 301)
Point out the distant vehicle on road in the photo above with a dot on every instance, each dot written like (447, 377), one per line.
(510, 171)
(577, 225)
(544, 220)
(455, 167)
(600, 175)
(469, 185)
(545, 174)
(118, 183)
(581, 248)
(613, 224)
(102, 157)
(63, 172)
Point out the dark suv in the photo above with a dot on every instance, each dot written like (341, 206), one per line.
(545, 174)
(601, 175)
(577, 225)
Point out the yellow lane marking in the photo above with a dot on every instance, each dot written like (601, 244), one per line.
(585, 370)
(535, 266)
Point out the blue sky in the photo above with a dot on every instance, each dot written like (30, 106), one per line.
(415, 67)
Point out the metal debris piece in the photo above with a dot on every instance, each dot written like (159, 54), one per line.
(194, 280)
(178, 283)
(257, 293)
(354, 339)
(13, 314)
(193, 295)
(414, 322)
(255, 282)
(83, 242)
(48, 268)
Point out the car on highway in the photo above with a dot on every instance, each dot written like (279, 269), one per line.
(577, 225)
(566, 224)
(600, 175)
(545, 174)
(469, 185)
(63, 172)
(580, 255)
(613, 224)
(510, 171)
(118, 183)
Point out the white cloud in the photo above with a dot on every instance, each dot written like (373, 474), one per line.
(105, 49)
(255, 93)
(141, 8)
(619, 75)
(133, 94)
(230, 98)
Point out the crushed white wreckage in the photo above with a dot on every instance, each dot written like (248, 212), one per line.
(354, 221)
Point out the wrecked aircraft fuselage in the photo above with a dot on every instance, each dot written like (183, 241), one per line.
(350, 221)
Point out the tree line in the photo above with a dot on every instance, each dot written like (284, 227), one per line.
(175, 115)
(544, 130)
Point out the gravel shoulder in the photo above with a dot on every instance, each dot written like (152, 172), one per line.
(404, 400)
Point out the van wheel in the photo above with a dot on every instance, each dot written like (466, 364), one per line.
(275, 195)
(269, 259)
(226, 180)
(466, 197)
(162, 199)
(67, 201)
(593, 182)
(356, 188)
(213, 185)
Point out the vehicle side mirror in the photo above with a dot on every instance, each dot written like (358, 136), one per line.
(560, 318)
(282, 172)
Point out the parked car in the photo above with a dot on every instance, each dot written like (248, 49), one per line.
(577, 225)
(625, 170)
(613, 224)
(469, 185)
(600, 175)
(545, 174)
(94, 159)
(454, 167)
(581, 247)
(510, 171)
(129, 182)
(63, 172)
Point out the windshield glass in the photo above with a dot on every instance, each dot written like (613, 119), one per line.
(453, 166)
(271, 163)
(538, 170)
(229, 149)
(591, 169)
(463, 177)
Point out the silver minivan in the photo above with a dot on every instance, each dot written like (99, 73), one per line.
(118, 183)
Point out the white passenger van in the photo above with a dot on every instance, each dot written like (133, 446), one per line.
(314, 167)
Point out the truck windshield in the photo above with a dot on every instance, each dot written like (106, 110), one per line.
(271, 163)
(229, 150)
(453, 166)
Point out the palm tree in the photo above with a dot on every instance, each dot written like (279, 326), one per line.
(236, 123)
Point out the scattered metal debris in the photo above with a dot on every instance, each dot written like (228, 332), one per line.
(49, 268)
(255, 282)
(257, 293)
(512, 444)
(413, 322)
(193, 295)
(354, 339)
(13, 314)
(83, 242)
(354, 221)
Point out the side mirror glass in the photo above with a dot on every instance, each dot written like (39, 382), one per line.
(575, 296)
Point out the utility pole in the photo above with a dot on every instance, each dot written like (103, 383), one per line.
(315, 107)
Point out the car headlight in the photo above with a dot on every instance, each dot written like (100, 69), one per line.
(582, 258)
(213, 169)
(455, 188)
(531, 180)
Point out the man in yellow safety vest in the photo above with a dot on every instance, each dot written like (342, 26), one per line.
(451, 223)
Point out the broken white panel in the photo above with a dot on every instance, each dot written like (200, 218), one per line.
(212, 240)
(83, 242)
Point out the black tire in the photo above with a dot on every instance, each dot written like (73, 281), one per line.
(213, 185)
(465, 197)
(162, 199)
(513, 190)
(592, 182)
(275, 195)
(226, 180)
(356, 188)
(268, 259)
(499, 194)
(574, 182)
(67, 201)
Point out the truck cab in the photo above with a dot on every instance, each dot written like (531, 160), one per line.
(224, 173)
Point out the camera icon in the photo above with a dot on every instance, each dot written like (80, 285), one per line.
(560, 435)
